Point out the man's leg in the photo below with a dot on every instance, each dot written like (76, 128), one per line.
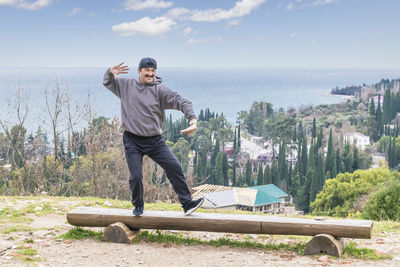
(164, 157)
(134, 159)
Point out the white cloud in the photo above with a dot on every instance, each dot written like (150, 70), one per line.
(74, 11)
(322, 2)
(177, 13)
(28, 5)
(187, 31)
(207, 40)
(293, 34)
(241, 8)
(313, 41)
(145, 4)
(289, 7)
(144, 26)
(8, 2)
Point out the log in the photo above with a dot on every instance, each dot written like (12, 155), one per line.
(118, 233)
(325, 244)
(213, 222)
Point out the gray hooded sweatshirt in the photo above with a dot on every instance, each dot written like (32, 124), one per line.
(142, 105)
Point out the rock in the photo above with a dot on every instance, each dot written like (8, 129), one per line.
(108, 203)
(323, 259)
(380, 252)
(38, 208)
(67, 241)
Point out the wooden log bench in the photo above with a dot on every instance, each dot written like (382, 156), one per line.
(328, 233)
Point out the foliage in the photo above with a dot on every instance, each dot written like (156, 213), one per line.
(384, 203)
(340, 194)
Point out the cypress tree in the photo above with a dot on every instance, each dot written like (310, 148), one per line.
(387, 107)
(260, 175)
(225, 168)
(282, 164)
(300, 132)
(320, 172)
(347, 158)
(339, 164)
(314, 129)
(216, 151)
(330, 164)
(290, 177)
(234, 142)
(267, 175)
(372, 108)
(218, 174)
(379, 119)
(320, 138)
(248, 173)
(275, 174)
(294, 134)
(238, 141)
(356, 159)
(304, 160)
(234, 172)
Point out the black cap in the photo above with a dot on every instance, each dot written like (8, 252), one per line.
(148, 62)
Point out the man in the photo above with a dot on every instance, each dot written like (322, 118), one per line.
(143, 103)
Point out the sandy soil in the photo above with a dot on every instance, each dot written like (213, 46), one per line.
(58, 252)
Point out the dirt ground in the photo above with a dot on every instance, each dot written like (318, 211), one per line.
(53, 251)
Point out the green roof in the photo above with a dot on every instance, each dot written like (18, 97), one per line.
(267, 194)
(264, 199)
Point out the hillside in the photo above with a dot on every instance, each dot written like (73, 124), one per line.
(31, 229)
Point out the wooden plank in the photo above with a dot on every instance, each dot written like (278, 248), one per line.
(213, 222)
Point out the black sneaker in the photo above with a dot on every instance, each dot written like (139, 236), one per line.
(192, 205)
(138, 211)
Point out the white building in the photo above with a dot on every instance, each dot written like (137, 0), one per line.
(357, 139)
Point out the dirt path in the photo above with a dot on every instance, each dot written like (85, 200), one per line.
(90, 252)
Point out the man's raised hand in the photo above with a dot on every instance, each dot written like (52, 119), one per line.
(191, 128)
(119, 69)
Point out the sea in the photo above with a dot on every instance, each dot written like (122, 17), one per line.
(223, 90)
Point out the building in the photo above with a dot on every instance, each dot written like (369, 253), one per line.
(357, 139)
(264, 198)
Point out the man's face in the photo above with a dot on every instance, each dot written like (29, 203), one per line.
(147, 75)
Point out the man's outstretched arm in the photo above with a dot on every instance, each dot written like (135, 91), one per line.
(111, 75)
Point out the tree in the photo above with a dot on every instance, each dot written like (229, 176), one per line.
(314, 129)
(260, 175)
(238, 141)
(248, 173)
(379, 119)
(225, 169)
(218, 173)
(356, 159)
(347, 158)
(234, 173)
(267, 175)
(330, 164)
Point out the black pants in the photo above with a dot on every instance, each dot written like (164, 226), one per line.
(154, 147)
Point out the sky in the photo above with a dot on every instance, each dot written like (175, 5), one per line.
(206, 33)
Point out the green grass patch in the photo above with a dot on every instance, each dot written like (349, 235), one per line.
(28, 241)
(179, 240)
(16, 228)
(39, 209)
(81, 233)
(27, 255)
(351, 251)
(27, 252)
(15, 216)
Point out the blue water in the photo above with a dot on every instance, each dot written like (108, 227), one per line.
(222, 90)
